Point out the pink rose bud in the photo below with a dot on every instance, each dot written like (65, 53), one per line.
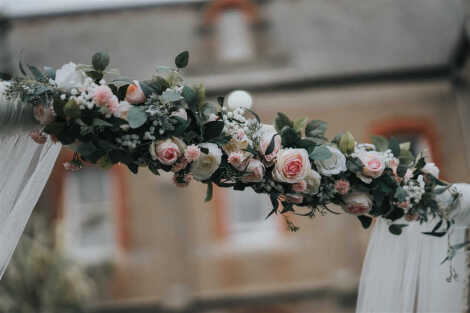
(182, 181)
(167, 152)
(103, 95)
(134, 94)
(300, 186)
(342, 186)
(38, 137)
(255, 172)
(357, 203)
(237, 160)
(192, 153)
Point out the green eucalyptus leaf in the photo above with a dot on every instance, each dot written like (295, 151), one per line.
(209, 192)
(136, 117)
(100, 61)
(182, 59)
(321, 153)
(380, 143)
(290, 137)
(394, 145)
(170, 95)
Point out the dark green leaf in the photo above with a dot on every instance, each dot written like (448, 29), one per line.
(209, 192)
(190, 96)
(37, 73)
(401, 170)
(5, 76)
(220, 100)
(271, 146)
(136, 117)
(420, 164)
(213, 129)
(354, 165)
(406, 157)
(380, 143)
(101, 123)
(100, 61)
(394, 145)
(308, 144)
(146, 88)
(95, 75)
(282, 121)
(72, 109)
(400, 194)
(122, 92)
(20, 64)
(182, 59)
(275, 204)
(290, 137)
(321, 153)
(366, 221)
(316, 128)
(254, 114)
(396, 229)
(54, 128)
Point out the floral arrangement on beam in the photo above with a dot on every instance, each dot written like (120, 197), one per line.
(165, 125)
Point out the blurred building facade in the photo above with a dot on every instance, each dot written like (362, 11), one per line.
(372, 67)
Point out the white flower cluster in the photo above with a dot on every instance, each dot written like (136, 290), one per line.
(130, 141)
(415, 189)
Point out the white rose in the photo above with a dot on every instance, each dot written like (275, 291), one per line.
(203, 168)
(313, 180)
(432, 169)
(238, 142)
(357, 203)
(292, 165)
(254, 172)
(334, 165)
(69, 76)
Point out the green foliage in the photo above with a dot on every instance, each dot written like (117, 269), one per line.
(394, 145)
(321, 153)
(354, 165)
(271, 145)
(182, 59)
(381, 143)
(72, 109)
(397, 229)
(136, 117)
(170, 95)
(299, 123)
(209, 192)
(213, 129)
(290, 138)
(316, 128)
(282, 121)
(347, 143)
(366, 221)
(100, 61)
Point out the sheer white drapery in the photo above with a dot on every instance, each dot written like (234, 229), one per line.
(25, 167)
(403, 273)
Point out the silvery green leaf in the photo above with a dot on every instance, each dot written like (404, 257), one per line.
(321, 153)
(170, 95)
(164, 69)
(136, 117)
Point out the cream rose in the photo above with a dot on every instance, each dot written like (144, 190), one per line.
(238, 142)
(313, 180)
(69, 76)
(255, 172)
(166, 151)
(432, 169)
(207, 163)
(266, 134)
(373, 164)
(135, 94)
(357, 203)
(334, 165)
(292, 165)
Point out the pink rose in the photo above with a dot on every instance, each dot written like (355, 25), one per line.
(237, 160)
(38, 137)
(103, 95)
(357, 203)
(182, 181)
(165, 151)
(374, 165)
(192, 153)
(300, 187)
(255, 172)
(342, 186)
(292, 165)
(265, 141)
(134, 93)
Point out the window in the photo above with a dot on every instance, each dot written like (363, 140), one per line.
(235, 43)
(89, 227)
(247, 223)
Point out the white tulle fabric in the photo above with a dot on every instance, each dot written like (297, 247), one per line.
(25, 167)
(403, 273)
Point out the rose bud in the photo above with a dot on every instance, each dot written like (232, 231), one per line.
(357, 203)
(135, 94)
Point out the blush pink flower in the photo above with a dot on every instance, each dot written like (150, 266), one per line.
(254, 171)
(38, 137)
(135, 94)
(237, 160)
(165, 151)
(192, 153)
(292, 165)
(300, 186)
(342, 186)
(103, 95)
(357, 203)
(265, 140)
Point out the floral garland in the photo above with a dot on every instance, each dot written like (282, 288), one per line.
(165, 125)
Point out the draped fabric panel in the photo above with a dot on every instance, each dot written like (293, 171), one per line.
(25, 167)
(404, 273)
